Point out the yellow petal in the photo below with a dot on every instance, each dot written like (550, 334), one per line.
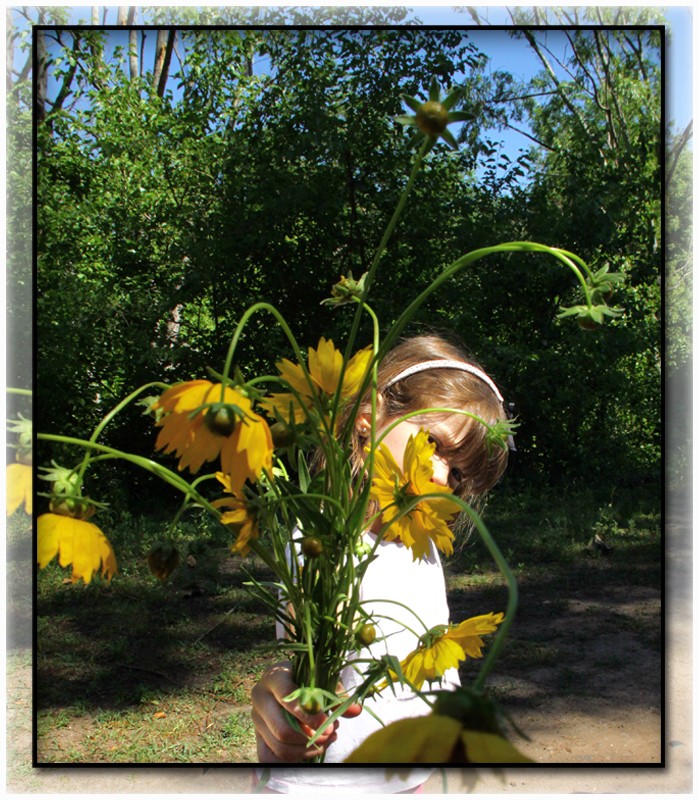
(325, 365)
(19, 488)
(47, 538)
(489, 748)
(356, 371)
(77, 542)
(418, 740)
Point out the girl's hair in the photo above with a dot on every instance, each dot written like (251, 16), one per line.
(482, 464)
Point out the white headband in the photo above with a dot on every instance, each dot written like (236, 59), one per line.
(446, 364)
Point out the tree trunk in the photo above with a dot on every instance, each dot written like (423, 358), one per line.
(165, 66)
(41, 56)
(160, 48)
(133, 54)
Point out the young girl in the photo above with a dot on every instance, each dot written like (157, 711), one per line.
(422, 372)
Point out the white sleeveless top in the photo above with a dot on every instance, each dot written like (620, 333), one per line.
(419, 586)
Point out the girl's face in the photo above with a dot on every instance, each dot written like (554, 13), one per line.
(445, 461)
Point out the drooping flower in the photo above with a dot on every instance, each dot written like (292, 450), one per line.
(19, 487)
(325, 371)
(77, 542)
(442, 648)
(200, 423)
(435, 739)
(394, 489)
(162, 559)
(239, 516)
(432, 116)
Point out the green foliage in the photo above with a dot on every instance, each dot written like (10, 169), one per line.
(268, 168)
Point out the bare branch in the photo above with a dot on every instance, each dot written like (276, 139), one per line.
(561, 92)
(41, 77)
(67, 84)
(160, 48)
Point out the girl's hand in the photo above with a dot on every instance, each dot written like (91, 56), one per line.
(278, 742)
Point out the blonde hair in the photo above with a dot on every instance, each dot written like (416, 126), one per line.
(482, 464)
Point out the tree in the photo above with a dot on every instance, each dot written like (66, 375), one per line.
(262, 164)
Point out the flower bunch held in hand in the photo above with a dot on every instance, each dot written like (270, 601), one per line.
(305, 479)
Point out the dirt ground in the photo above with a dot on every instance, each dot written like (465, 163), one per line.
(611, 719)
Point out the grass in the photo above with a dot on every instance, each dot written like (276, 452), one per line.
(139, 671)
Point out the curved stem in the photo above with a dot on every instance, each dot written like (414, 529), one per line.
(503, 566)
(294, 345)
(469, 258)
(145, 463)
(384, 243)
(512, 600)
(254, 309)
(108, 418)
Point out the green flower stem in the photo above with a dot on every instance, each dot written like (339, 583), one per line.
(254, 309)
(503, 566)
(110, 416)
(512, 600)
(22, 392)
(186, 502)
(145, 463)
(384, 242)
(470, 258)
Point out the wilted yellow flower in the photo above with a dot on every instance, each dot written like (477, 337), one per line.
(76, 542)
(444, 647)
(434, 739)
(393, 488)
(19, 487)
(239, 517)
(197, 433)
(325, 369)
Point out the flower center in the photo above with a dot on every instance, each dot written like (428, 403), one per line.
(432, 118)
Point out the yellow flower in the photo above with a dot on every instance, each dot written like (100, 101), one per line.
(445, 646)
(230, 428)
(76, 542)
(393, 488)
(325, 369)
(19, 487)
(240, 517)
(434, 739)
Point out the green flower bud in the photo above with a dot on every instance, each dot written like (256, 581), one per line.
(162, 559)
(221, 420)
(311, 546)
(362, 549)
(282, 435)
(432, 118)
(366, 634)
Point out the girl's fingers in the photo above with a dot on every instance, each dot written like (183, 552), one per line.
(354, 709)
(278, 747)
(281, 739)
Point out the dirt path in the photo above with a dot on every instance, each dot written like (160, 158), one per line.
(609, 714)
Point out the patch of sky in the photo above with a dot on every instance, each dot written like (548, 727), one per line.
(506, 53)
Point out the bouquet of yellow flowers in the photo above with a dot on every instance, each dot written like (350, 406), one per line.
(292, 488)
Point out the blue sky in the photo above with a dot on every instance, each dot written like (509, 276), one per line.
(678, 64)
(516, 57)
